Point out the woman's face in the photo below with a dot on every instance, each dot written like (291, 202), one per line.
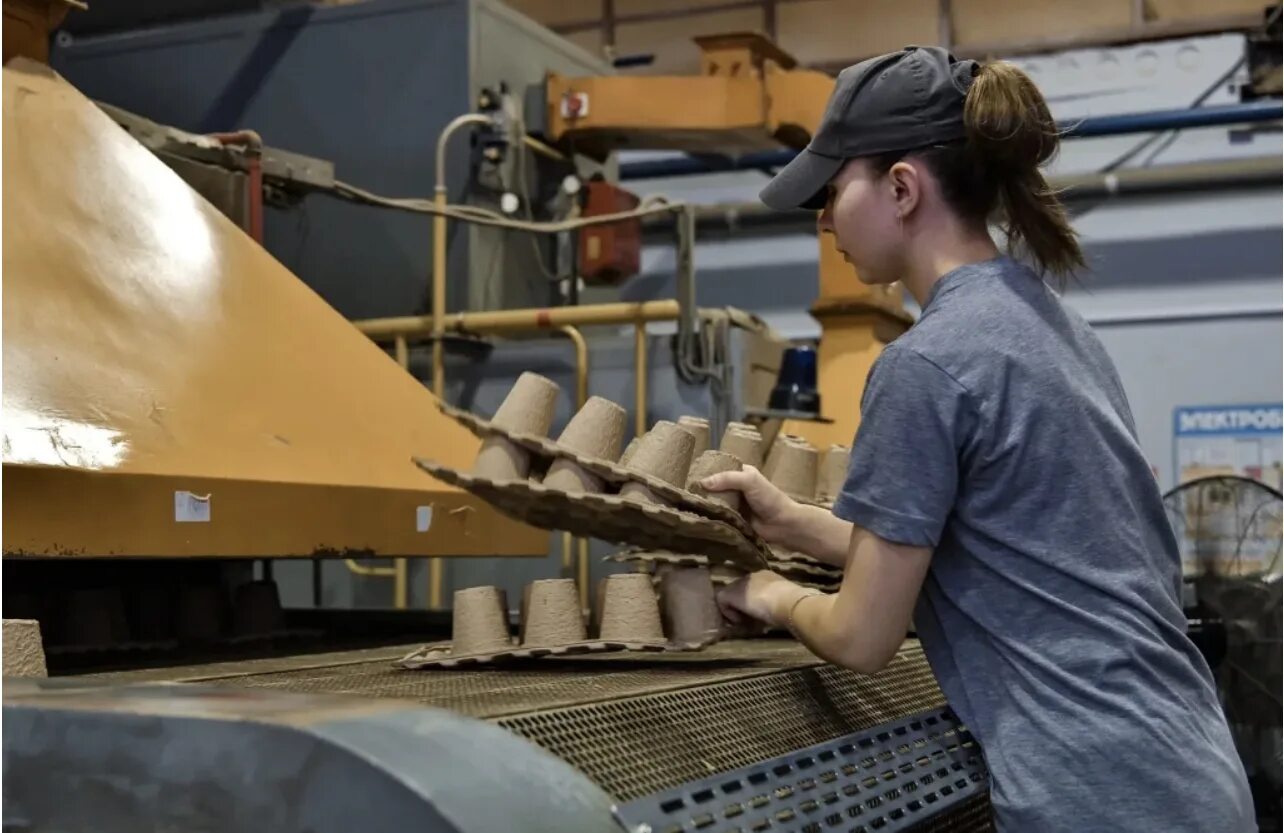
(861, 213)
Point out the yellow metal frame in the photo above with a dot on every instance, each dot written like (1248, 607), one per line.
(748, 97)
(171, 390)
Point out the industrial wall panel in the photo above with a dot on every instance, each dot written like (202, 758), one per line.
(368, 86)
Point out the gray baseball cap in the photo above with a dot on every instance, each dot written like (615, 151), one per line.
(901, 101)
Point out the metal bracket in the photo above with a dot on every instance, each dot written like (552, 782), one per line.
(885, 779)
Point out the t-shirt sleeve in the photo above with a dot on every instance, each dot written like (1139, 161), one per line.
(904, 473)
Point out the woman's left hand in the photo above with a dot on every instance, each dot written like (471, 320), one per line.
(753, 597)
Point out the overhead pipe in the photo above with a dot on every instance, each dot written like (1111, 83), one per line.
(1196, 176)
(517, 320)
(1116, 125)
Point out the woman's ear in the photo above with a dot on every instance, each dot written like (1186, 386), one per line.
(906, 188)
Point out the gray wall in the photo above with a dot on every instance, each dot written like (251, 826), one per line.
(1185, 290)
(368, 86)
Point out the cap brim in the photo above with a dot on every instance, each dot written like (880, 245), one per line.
(801, 183)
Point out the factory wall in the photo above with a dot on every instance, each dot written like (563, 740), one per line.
(1184, 289)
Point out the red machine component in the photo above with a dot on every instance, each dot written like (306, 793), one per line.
(609, 253)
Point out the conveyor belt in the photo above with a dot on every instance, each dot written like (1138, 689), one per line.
(514, 689)
(633, 724)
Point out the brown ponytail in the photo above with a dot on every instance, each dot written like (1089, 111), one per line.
(994, 173)
(1010, 133)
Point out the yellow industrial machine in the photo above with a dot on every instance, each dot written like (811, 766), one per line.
(172, 390)
(750, 96)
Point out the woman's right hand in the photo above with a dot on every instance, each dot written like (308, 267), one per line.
(773, 514)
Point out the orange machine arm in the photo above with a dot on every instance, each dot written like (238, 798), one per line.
(748, 96)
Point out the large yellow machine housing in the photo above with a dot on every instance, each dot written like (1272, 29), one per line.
(170, 389)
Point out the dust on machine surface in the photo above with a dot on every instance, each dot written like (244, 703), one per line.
(351, 484)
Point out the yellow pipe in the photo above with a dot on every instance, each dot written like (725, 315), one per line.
(581, 363)
(581, 396)
(362, 570)
(434, 565)
(439, 295)
(639, 376)
(439, 300)
(543, 149)
(639, 393)
(591, 315)
(582, 574)
(402, 352)
(401, 583)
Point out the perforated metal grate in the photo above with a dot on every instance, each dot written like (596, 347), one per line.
(971, 816)
(641, 745)
(883, 779)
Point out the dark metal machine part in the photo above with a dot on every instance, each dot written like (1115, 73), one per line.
(888, 778)
(79, 756)
(634, 726)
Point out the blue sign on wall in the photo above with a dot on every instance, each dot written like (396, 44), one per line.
(1235, 419)
(1229, 439)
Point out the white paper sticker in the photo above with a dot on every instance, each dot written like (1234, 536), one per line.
(190, 508)
(423, 518)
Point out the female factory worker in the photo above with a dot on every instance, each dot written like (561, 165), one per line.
(996, 478)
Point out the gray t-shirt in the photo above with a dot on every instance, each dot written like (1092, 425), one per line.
(996, 432)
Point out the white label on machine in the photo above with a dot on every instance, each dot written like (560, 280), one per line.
(190, 508)
(423, 518)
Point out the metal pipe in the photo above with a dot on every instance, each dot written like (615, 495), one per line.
(1151, 122)
(748, 217)
(1186, 117)
(436, 578)
(581, 396)
(543, 149)
(639, 381)
(411, 326)
(439, 248)
(1164, 178)
(401, 569)
(373, 572)
(439, 300)
(581, 362)
(639, 392)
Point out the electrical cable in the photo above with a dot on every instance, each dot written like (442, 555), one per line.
(524, 187)
(654, 204)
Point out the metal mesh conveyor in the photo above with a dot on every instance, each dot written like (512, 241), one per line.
(634, 725)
